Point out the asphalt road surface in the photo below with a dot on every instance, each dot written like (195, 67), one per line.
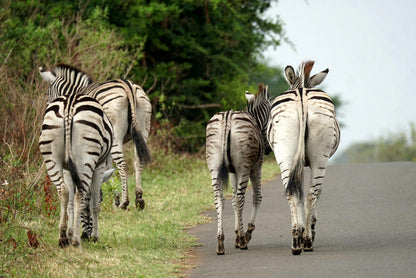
(366, 228)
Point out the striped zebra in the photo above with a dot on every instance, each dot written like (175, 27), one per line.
(129, 110)
(75, 143)
(235, 147)
(303, 131)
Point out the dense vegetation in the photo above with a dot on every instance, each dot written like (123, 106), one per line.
(193, 57)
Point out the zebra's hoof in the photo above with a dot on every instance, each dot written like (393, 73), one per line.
(63, 242)
(85, 236)
(124, 205)
(220, 245)
(140, 204)
(296, 251)
(307, 244)
(117, 200)
(241, 242)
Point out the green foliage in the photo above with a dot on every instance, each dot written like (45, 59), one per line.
(400, 146)
(196, 57)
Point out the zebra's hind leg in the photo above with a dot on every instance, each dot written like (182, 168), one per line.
(86, 220)
(95, 200)
(239, 184)
(138, 167)
(219, 205)
(298, 226)
(317, 176)
(122, 169)
(63, 196)
(257, 198)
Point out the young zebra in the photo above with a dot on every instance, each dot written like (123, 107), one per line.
(129, 110)
(235, 146)
(75, 143)
(303, 131)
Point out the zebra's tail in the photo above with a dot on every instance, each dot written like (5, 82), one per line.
(226, 157)
(295, 183)
(70, 165)
(137, 136)
(223, 175)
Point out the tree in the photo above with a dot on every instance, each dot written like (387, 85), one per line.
(194, 57)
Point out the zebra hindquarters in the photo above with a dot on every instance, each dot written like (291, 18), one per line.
(321, 143)
(51, 146)
(91, 142)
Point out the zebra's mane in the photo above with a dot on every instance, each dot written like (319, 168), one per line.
(65, 71)
(261, 96)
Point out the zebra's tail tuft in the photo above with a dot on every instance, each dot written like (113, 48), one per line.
(74, 173)
(223, 175)
(141, 147)
(295, 184)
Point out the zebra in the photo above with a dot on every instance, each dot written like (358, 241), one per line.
(129, 110)
(303, 131)
(75, 143)
(235, 146)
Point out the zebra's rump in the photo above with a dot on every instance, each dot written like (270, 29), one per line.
(233, 137)
(312, 108)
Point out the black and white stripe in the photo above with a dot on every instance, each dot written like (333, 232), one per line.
(303, 131)
(235, 146)
(129, 110)
(75, 142)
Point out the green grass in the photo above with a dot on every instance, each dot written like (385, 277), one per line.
(149, 243)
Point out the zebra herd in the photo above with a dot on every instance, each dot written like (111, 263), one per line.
(86, 124)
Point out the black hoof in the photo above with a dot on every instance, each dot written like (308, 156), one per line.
(124, 205)
(307, 245)
(63, 242)
(117, 200)
(220, 245)
(85, 236)
(296, 251)
(140, 204)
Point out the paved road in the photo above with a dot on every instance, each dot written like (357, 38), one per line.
(366, 228)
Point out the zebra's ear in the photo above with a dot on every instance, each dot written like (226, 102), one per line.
(250, 97)
(290, 75)
(318, 78)
(47, 75)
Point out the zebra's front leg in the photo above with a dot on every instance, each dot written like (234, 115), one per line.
(298, 227)
(219, 205)
(239, 189)
(138, 167)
